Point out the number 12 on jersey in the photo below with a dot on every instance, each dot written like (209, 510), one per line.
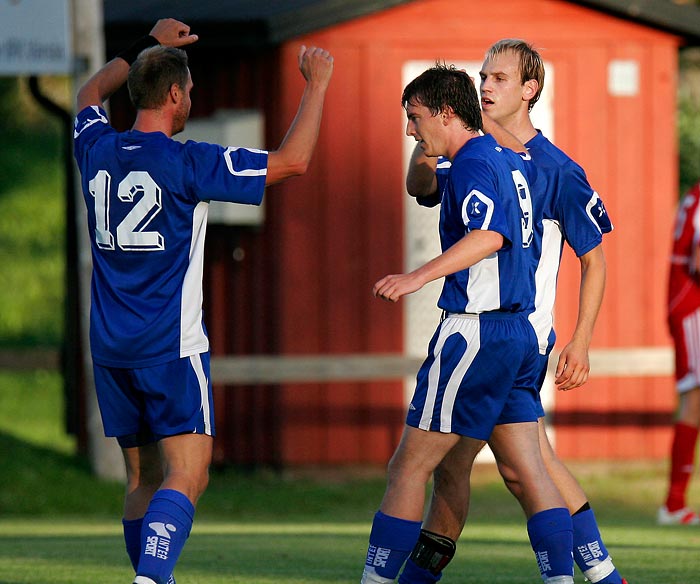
(131, 234)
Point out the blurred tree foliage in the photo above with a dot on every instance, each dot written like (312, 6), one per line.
(32, 225)
(23, 121)
(689, 118)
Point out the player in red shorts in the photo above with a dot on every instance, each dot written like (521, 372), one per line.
(684, 323)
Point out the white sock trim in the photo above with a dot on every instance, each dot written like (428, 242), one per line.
(560, 580)
(370, 576)
(600, 571)
(143, 580)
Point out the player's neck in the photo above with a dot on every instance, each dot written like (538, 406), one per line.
(153, 121)
(520, 126)
(457, 144)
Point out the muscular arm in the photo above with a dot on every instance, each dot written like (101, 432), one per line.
(473, 247)
(573, 365)
(294, 154)
(112, 75)
(694, 264)
(420, 178)
(103, 84)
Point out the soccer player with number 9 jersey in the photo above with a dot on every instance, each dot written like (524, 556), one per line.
(481, 368)
(565, 208)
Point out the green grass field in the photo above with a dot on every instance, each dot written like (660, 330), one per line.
(59, 525)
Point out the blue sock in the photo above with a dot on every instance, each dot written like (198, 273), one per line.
(551, 537)
(390, 543)
(589, 551)
(414, 574)
(166, 527)
(132, 539)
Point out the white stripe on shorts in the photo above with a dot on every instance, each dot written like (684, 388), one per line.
(691, 332)
(196, 361)
(468, 326)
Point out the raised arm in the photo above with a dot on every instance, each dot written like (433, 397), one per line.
(573, 365)
(294, 154)
(501, 135)
(420, 178)
(112, 75)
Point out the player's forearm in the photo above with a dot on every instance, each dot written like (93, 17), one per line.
(294, 154)
(103, 84)
(592, 289)
(472, 248)
(420, 178)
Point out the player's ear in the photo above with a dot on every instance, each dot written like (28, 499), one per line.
(530, 88)
(175, 93)
(447, 114)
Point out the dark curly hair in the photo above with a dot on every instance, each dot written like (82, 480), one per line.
(442, 87)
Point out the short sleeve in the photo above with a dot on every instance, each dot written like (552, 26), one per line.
(90, 124)
(583, 216)
(475, 189)
(228, 174)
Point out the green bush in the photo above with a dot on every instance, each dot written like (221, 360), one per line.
(32, 222)
(689, 143)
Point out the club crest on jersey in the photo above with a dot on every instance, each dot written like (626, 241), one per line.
(598, 214)
(477, 207)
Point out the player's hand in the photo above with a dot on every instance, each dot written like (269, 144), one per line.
(173, 33)
(316, 65)
(573, 367)
(395, 286)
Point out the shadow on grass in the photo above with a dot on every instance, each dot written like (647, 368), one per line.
(36, 481)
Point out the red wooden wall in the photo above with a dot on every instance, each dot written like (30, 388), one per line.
(302, 280)
(343, 225)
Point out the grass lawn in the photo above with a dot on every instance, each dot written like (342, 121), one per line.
(59, 525)
(71, 550)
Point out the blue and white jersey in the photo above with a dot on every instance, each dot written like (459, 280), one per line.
(566, 209)
(147, 202)
(487, 188)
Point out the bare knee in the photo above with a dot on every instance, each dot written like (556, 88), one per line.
(186, 460)
(400, 470)
(510, 478)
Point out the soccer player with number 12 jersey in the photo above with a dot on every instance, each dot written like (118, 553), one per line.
(147, 200)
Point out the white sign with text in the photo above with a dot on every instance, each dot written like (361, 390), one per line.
(35, 37)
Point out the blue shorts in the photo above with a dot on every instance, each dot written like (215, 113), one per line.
(143, 405)
(543, 366)
(481, 370)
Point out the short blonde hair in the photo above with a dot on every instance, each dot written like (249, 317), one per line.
(531, 65)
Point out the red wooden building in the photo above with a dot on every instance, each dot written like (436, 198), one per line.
(296, 281)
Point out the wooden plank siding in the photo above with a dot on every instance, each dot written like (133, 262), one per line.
(301, 284)
(626, 144)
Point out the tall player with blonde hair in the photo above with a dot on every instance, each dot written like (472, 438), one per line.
(565, 208)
